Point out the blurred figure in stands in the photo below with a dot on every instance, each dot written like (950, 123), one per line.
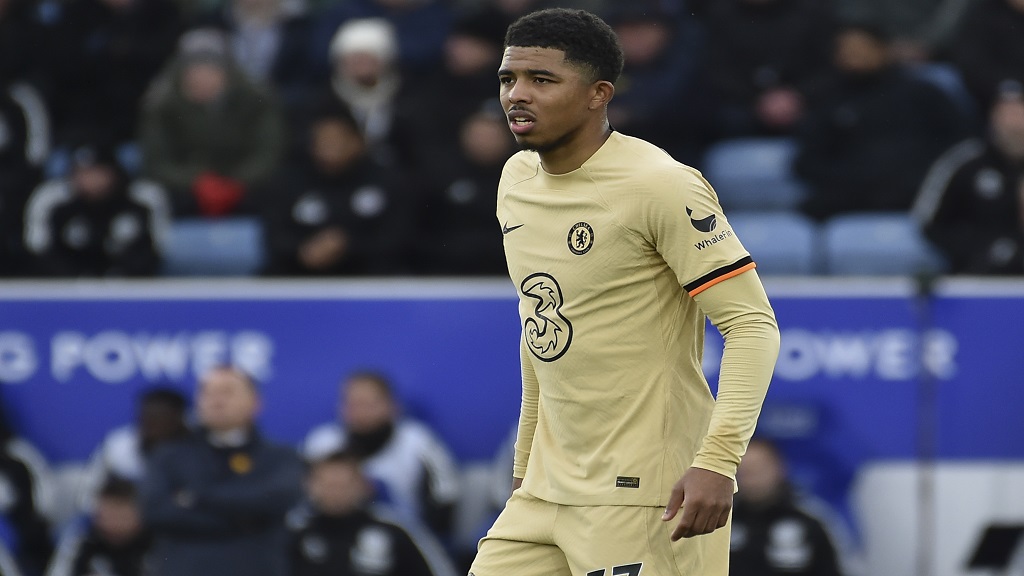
(337, 211)
(972, 202)
(457, 89)
(773, 531)
(268, 42)
(97, 222)
(457, 229)
(990, 47)
(27, 489)
(216, 500)
(867, 141)
(209, 135)
(159, 417)
(24, 148)
(414, 469)
(661, 47)
(106, 53)
(366, 78)
(420, 28)
(112, 541)
(764, 57)
(921, 30)
(338, 532)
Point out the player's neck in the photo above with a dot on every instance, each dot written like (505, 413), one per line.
(573, 153)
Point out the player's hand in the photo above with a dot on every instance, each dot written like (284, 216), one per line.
(516, 483)
(706, 500)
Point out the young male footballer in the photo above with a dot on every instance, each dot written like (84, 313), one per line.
(625, 462)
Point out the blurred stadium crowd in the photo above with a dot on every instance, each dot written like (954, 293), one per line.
(356, 137)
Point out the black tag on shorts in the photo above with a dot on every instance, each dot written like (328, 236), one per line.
(627, 482)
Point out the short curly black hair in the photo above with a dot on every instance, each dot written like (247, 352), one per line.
(587, 40)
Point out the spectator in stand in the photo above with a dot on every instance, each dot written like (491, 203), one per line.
(97, 221)
(24, 147)
(26, 484)
(111, 542)
(106, 53)
(775, 531)
(972, 202)
(764, 57)
(921, 30)
(216, 501)
(458, 87)
(457, 229)
(867, 141)
(420, 28)
(365, 77)
(337, 211)
(159, 418)
(209, 135)
(990, 48)
(338, 532)
(269, 43)
(662, 47)
(415, 470)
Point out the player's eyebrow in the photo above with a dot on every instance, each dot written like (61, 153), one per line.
(529, 72)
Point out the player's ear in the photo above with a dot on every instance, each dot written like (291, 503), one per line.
(601, 93)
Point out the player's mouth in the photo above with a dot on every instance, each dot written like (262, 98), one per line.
(521, 121)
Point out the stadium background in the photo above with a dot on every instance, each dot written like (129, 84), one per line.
(891, 404)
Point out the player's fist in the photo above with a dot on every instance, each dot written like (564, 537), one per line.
(706, 501)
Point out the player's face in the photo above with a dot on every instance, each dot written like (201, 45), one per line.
(545, 98)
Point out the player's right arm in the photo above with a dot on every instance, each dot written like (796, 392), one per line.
(527, 416)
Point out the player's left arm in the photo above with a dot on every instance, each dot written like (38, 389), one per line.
(739, 308)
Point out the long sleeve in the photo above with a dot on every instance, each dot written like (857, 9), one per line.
(739, 308)
(527, 413)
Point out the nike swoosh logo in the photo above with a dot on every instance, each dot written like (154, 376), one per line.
(506, 228)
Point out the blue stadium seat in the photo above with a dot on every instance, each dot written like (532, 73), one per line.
(781, 242)
(223, 247)
(878, 244)
(754, 173)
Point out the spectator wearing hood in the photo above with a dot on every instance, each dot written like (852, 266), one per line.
(208, 134)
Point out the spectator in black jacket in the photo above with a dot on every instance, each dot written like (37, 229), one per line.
(216, 501)
(457, 229)
(990, 47)
(24, 146)
(338, 533)
(972, 202)
(113, 541)
(27, 489)
(337, 211)
(96, 222)
(867, 142)
(764, 57)
(773, 532)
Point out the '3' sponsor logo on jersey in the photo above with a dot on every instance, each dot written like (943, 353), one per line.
(548, 333)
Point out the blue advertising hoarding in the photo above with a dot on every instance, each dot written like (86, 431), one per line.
(863, 363)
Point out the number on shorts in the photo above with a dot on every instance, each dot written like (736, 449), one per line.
(624, 570)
